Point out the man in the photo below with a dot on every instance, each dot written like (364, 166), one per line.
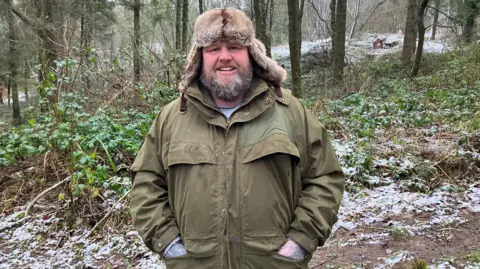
(235, 173)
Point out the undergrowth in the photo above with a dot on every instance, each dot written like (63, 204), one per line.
(443, 100)
(400, 113)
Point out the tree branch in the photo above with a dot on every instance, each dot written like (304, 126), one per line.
(443, 13)
(320, 17)
(371, 14)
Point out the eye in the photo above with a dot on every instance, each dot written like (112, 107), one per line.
(213, 49)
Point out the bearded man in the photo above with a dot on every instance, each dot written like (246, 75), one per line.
(235, 173)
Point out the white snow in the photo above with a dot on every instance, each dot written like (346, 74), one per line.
(357, 48)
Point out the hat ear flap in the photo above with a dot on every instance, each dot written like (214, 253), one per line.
(268, 69)
(194, 63)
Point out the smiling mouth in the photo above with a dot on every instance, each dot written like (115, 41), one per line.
(226, 71)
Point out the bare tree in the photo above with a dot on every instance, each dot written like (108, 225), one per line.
(178, 25)
(471, 9)
(435, 19)
(136, 41)
(421, 36)
(338, 25)
(355, 17)
(13, 66)
(294, 42)
(410, 36)
(200, 6)
(184, 25)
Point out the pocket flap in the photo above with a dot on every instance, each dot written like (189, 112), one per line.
(191, 153)
(201, 248)
(275, 143)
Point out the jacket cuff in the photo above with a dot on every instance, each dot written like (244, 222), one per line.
(161, 242)
(310, 245)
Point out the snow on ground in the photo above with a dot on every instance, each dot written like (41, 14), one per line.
(34, 245)
(357, 48)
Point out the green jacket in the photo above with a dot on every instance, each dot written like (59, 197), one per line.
(235, 190)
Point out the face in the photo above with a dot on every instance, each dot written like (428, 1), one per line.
(226, 71)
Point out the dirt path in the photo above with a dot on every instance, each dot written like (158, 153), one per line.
(456, 244)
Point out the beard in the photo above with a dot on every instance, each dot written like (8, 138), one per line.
(228, 88)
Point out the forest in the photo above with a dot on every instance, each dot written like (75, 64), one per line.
(395, 82)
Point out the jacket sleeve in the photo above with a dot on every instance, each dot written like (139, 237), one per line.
(149, 204)
(322, 187)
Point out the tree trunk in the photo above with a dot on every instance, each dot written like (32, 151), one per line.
(9, 91)
(2, 89)
(200, 6)
(293, 11)
(299, 28)
(13, 66)
(259, 20)
(178, 25)
(269, 34)
(25, 77)
(85, 37)
(338, 41)
(333, 25)
(472, 8)
(435, 19)
(355, 19)
(184, 25)
(410, 35)
(421, 37)
(136, 42)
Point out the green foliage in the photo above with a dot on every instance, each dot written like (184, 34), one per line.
(96, 143)
(473, 258)
(445, 94)
(399, 233)
(419, 264)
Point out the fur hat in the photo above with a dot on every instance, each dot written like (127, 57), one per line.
(230, 24)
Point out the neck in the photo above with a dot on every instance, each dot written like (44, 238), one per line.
(227, 104)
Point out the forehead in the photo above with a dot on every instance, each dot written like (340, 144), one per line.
(225, 42)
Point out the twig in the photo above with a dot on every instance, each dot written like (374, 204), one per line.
(67, 179)
(28, 218)
(107, 215)
(16, 223)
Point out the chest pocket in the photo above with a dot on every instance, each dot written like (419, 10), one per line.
(190, 153)
(273, 144)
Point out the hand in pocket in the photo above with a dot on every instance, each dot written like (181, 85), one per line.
(292, 251)
(175, 249)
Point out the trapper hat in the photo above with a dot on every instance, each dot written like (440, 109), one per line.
(229, 24)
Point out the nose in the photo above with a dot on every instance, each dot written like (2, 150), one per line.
(225, 55)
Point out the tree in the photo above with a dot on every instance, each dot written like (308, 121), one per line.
(258, 6)
(86, 29)
(178, 25)
(338, 26)
(421, 36)
(13, 66)
(410, 35)
(200, 6)
(435, 19)
(136, 41)
(294, 42)
(184, 25)
(47, 27)
(263, 14)
(471, 10)
(355, 18)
